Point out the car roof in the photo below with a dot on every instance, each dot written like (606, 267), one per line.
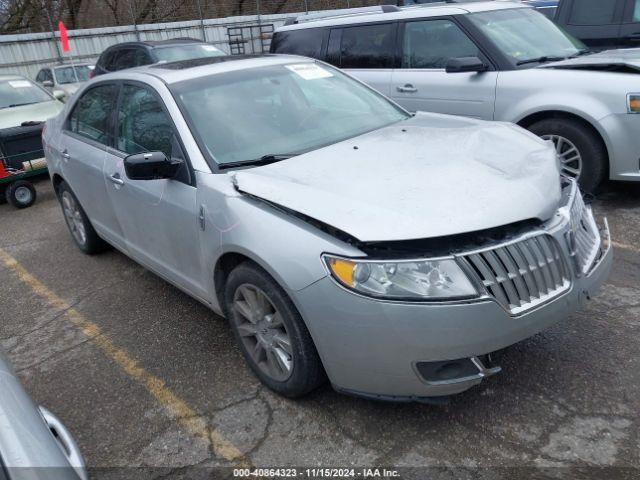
(158, 43)
(368, 15)
(174, 72)
(4, 78)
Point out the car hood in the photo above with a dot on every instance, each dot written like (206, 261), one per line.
(429, 176)
(37, 112)
(623, 59)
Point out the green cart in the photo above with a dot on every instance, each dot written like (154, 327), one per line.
(15, 178)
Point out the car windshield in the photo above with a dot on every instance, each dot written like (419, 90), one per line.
(187, 52)
(67, 75)
(279, 110)
(526, 35)
(20, 91)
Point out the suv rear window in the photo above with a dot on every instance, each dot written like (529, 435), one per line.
(307, 42)
(368, 46)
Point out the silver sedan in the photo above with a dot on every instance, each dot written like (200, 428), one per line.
(340, 235)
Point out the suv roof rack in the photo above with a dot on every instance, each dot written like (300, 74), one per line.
(342, 12)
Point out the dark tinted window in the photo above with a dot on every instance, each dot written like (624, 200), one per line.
(592, 12)
(44, 75)
(90, 116)
(307, 42)
(368, 46)
(143, 125)
(108, 62)
(126, 59)
(431, 43)
(636, 12)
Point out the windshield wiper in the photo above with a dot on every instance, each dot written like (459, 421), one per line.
(581, 52)
(542, 59)
(263, 160)
(20, 104)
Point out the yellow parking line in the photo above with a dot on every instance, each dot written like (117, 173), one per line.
(625, 246)
(177, 407)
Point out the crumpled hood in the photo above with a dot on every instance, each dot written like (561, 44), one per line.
(621, 57)
(430, 176)
(37, 112)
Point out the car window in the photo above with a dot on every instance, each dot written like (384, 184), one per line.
(368, 46)
(143, 124)
(91, 114)
(19, 92)
(307, 42)
(187, 52)
(636, 12)
(592, 12)
(431, 43)
(110, 59)
(72, 74)
(125, 59)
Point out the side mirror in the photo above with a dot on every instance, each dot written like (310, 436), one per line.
(59, 95)
(150, 166)
(465, 64)
(47, 83)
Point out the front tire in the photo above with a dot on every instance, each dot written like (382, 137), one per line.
(582, 153)
(82, 232)
(271, 334)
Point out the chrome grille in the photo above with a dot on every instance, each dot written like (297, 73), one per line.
(584, 237)
(523, 274)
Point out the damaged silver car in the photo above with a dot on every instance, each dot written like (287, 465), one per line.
(341, 236)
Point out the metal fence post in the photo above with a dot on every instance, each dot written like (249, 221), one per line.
(47, 14)
(204, 32)
(133, 17)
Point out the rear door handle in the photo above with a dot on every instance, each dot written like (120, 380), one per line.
(115, 178)
(408, 88)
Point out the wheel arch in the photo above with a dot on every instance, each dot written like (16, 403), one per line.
(535, 117)
(56, 179)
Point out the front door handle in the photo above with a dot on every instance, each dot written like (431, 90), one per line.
(66, 156)
(408, 88)
(115, 178)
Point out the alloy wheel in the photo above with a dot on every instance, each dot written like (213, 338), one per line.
(570, 157)
(74, 218)
(263, 332)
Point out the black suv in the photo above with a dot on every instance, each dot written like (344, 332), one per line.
(601, 24)
(136, 54)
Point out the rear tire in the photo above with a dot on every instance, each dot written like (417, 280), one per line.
(82, 232)
(272, 331)
(21, 194)
(576, 137)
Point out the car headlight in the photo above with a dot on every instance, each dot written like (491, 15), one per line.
(633, 102)
(441, 279)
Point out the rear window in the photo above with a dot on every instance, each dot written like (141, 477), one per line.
(187, 52)
(307, 42)
(368, 46)
(592, 12)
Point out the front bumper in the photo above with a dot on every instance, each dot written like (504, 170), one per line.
(372, 348)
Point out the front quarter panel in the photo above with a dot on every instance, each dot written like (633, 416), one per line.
(288, 248)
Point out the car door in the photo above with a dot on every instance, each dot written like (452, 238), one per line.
(421, 82)
(159, 218)
(367, 52)
(630, 30)
(595, 22)
(82, 146)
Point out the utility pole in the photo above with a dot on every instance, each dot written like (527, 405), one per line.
(204, 32)
(47, 14)
(133, 17)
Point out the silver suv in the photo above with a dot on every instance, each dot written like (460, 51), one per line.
(338, 233)
(495, 61)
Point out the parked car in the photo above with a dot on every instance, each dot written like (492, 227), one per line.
(337, 232)
(601, 24)
(34, 444)
(64, 78)
(135, 54)
(24, 106)
(546, 7)
(495, 61)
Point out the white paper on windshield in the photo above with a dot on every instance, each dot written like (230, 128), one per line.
(19, 83)
(210, 48)
(309, 71)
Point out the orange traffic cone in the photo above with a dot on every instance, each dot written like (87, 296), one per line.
(3, 172)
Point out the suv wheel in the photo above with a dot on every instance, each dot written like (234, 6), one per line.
(271, 333)
(79, 225)
(582, 153)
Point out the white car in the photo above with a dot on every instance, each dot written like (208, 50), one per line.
(494, 61)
